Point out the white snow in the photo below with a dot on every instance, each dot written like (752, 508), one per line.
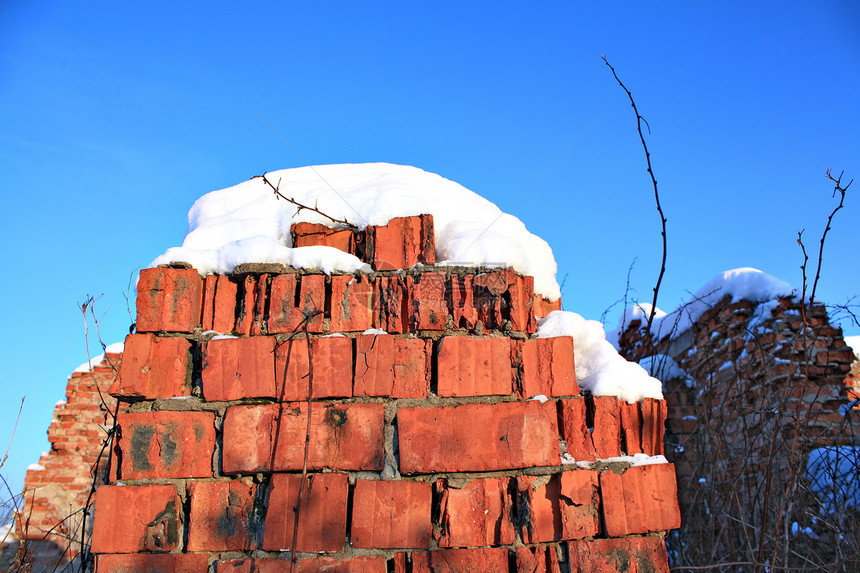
(599, 367)
(35, 467)
(741, 284)
(540, 398)
(247, 223)
(854, 343)
(115, 348)
(634, 460)
(375, 331)
(663, 367)
(834, 476)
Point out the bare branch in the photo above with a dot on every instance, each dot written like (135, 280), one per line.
(841, 190)
(276, 189)
(639, 121)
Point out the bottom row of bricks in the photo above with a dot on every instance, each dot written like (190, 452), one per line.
(229, 515)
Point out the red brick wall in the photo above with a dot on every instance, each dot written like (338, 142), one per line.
(423, 453)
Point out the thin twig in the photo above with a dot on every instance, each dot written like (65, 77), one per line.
(276, 189)
(639, 120)
(837, 188)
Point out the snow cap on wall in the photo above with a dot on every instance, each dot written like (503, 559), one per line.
(247, 223)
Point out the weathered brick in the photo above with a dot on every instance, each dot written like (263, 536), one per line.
(520, 304)
(129, 519)
(631, 427)
(461, 301)
(390, 303)
(563, 507)
(401, 243)
(287, 312)
(332, 361)
(166, 444)
(546, 367)
(607, 426)
(629, 554)
(477, 437)
(476, 514)
(427, 304)
(169, 300)
(235, 368)
(642, 499)
(321, 564)
(351, 303)
(540, 559)
(314, 234)
(392, 366)
(479, 560)
(574, 430)
(154, 367)
(322, 513)
(474, 366)
(489, 289)
(219, 303)
(542, 306)
(222, 516)
(271, 437)
(251, 305)
(653, 426)
(152, 562)
(391, 514)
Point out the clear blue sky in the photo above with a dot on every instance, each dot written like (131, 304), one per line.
(116, 118)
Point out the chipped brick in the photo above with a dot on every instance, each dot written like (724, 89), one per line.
(391, 514)
(236, 368)
(169, 300)
(386, 365)
(130, 519)
(474, 366)
(153, 367)
(222, 516)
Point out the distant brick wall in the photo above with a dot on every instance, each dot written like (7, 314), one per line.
(761, 396)
(424, 454)
(55, 495)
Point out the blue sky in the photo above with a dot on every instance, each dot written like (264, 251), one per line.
(115, 118)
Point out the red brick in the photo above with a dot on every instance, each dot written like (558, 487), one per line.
(391, 366)
(565, 507)
(166, 444)
(314, 234)
(574, 430)
(271, 437)
(607, 426)
(631, 427)
(351, 303)
(488, 291)
(630, 554)
(521, 299)
(154, 367)
(481, 560)
(474, 366)
(169, 300)
(642, 499)
(461, 300)
(152, 562)
(236, 368)
(390, 303)
(222, 516)
(478, 437)
(546, 367)
(321, 564)
(537, 559)
(391, 514)
(542, 306)
(476, 514)
(253, 288)
(287, 311)
(653, 426)
(219, 303)
(332, 360)
(129, 519)
(402, 243)
(322, 513)
(427, 304)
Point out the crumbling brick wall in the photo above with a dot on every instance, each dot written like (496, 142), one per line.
(761, 394)
(57, 488)
(422, 449)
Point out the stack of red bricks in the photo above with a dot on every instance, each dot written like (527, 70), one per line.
(422, 448)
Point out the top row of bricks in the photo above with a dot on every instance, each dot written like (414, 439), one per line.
(179, 300)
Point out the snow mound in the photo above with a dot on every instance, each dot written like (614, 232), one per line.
(599, 367)
(741, 284)
(115, 348)
(247, 223)
(854, 343)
